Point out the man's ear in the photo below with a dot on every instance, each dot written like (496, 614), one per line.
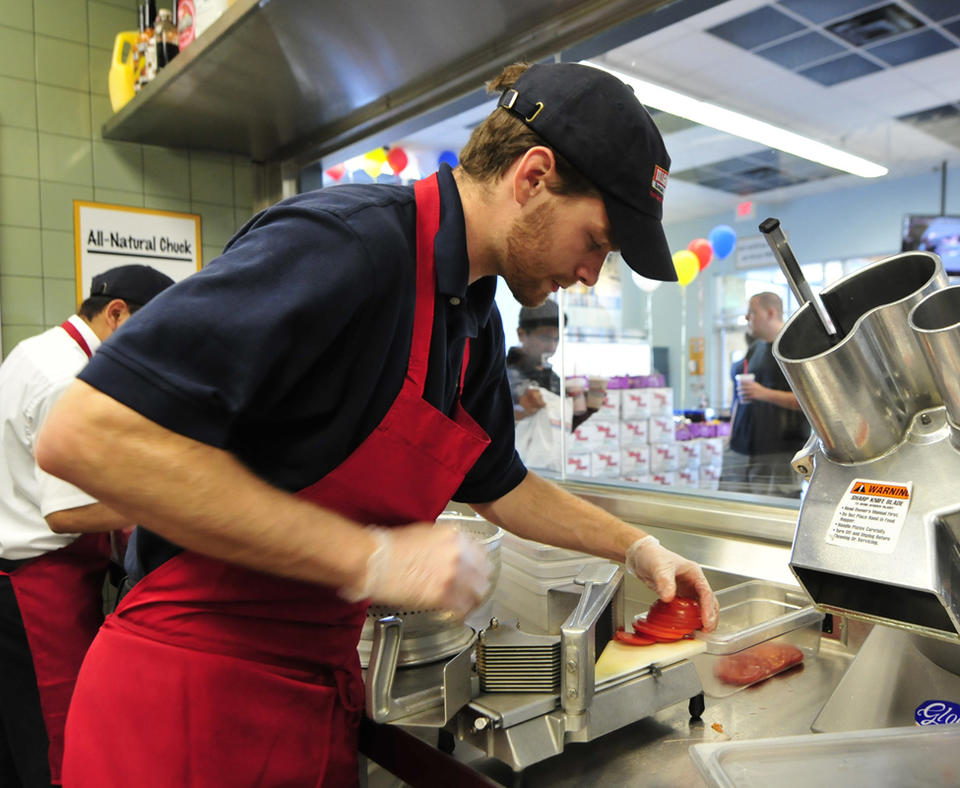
(116, 311)
(535, 168)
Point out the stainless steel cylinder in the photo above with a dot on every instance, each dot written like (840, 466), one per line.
(861, 392)
(936, 321)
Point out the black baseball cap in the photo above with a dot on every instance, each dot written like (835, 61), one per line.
(597, 124)
(547, 314)
(134, 283)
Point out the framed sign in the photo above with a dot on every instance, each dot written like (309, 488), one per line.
(754, 252)
(106, 236)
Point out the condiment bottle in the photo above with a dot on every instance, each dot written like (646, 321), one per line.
(165, 33)
(149, 10)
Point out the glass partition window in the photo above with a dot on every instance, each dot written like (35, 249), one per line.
(611, 415)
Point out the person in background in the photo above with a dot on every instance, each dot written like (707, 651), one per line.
(51, 577)
(528, 370)
(287, 424)
(767, 427)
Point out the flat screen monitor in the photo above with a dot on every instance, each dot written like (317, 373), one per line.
(933, 233)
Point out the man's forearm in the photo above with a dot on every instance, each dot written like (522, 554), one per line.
(92, 518)
(782, 399)
(197, 496)
(540, 510)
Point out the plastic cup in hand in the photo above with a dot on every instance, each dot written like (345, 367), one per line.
(748, 377)
(597, 391)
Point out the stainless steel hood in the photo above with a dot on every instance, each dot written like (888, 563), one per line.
(281, 80)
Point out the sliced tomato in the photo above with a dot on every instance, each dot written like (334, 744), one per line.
(666, 627)
(632, 638)
(681, 611)
(662, 635)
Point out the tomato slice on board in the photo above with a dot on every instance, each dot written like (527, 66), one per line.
(666, 627)
(632, 638)
(661, 634)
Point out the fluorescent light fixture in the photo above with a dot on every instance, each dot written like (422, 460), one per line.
(731, 122)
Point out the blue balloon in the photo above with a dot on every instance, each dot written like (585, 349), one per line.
(722, 239)
(448, 157)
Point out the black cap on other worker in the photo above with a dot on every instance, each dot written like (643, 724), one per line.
(547, 314)
(597, 124)
(134, 283)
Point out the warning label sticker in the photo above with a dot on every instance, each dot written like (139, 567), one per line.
(870, 515)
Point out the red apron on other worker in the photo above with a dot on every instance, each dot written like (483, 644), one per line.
(59, 598)
(60, 603)
(210, 674)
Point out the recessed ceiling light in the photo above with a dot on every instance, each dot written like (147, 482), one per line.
(740, 125)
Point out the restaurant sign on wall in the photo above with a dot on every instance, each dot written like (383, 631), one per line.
(107, 236)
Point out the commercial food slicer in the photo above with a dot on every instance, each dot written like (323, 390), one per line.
(874, 361)
(528, 694)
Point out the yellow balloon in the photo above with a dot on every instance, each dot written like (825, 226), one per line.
(687, 266)
(373, 162)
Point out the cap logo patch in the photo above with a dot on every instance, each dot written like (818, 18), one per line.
(659, 183)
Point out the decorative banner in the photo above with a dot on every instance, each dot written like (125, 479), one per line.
(337, 171)
(106, 236)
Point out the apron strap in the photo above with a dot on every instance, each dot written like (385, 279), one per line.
(427, 193)
(71, 329)
(463, 366)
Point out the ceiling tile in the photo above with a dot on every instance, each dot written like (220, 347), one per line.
(953, 27)
(875, 25)
(931, 114)
(802, 50)
(819, 11)
(938, 73)
(934, 9)
(911, 47)
(840, 70)
(942, 122)
(758, 27)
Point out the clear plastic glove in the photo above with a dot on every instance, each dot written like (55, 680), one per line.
(420, 567)
(667, 573)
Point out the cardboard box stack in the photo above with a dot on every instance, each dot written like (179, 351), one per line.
(635, 437)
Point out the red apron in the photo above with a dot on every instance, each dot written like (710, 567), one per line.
(212, 675)
(59, 596)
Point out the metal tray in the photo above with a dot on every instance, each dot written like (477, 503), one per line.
(908, 757)
(756, 611)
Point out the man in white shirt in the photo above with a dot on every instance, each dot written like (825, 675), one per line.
(50, 576)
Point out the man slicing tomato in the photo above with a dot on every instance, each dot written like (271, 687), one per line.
(288, 423)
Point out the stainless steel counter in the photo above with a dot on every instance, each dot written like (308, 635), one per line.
(654, 752)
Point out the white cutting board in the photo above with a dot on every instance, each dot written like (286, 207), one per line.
(619, 658)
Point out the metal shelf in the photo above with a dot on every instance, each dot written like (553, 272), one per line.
(281, 80)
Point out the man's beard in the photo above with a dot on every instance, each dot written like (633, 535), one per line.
(527, 244)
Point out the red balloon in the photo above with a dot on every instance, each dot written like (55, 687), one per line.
(337, 171)
(702, 249)
(397, 159)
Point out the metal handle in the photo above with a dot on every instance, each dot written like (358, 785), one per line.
(383, 667)
(791, 270)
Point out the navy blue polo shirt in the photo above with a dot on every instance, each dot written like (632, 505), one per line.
(290, 348)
